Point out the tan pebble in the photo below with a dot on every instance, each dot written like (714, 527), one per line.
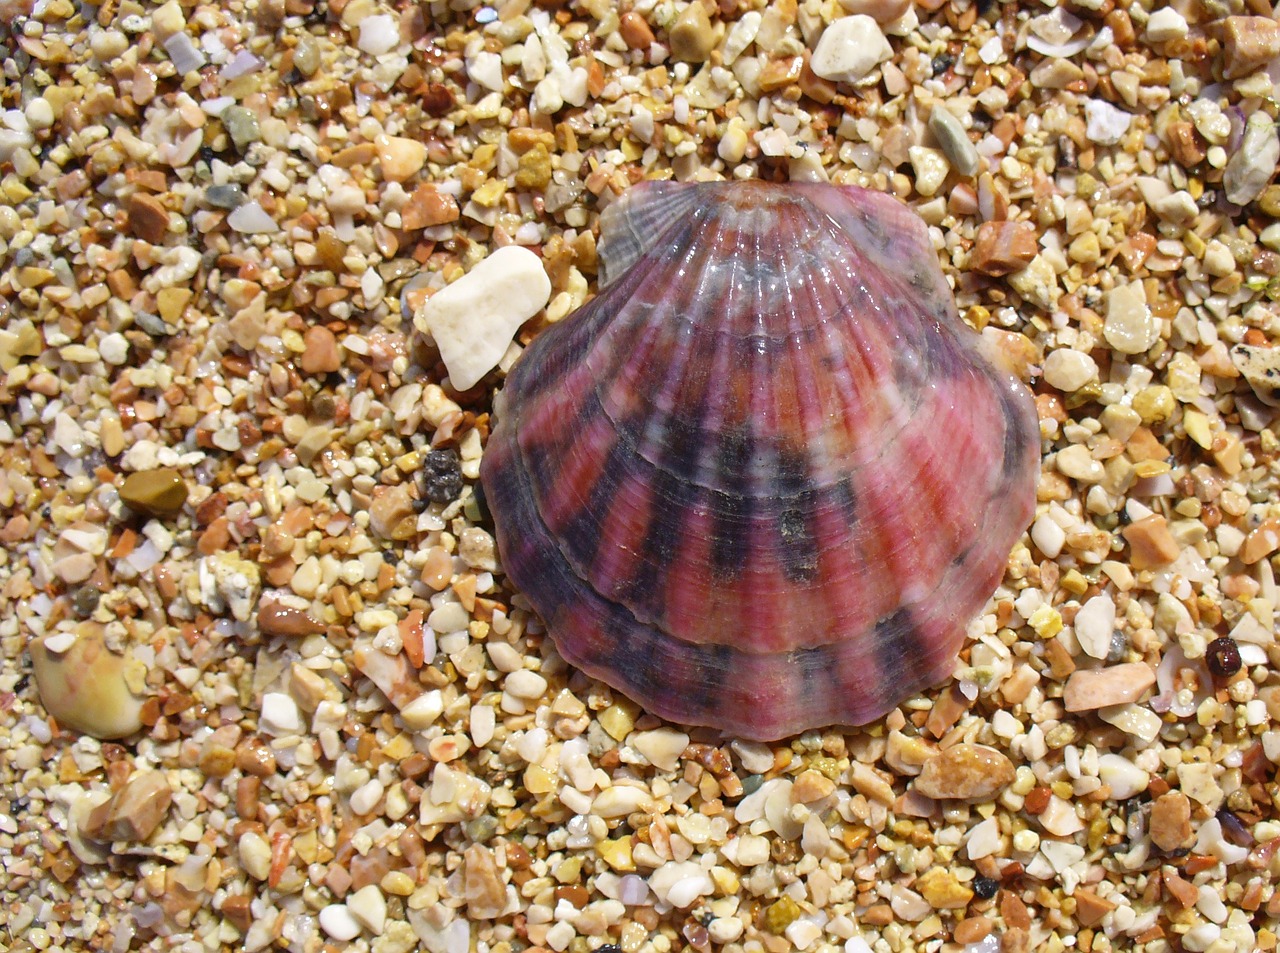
(400, 158)
(427, 206)
(437, 570)
(148, 219)
(1171, 821)
(85, 686)
(134, 812)
(1090, 908)
(1090, 689)
(1003, 247)
(1262, 541)
(1183, 893)
(158, 493)
(1248, 43)
(965, 772)
(391, 514)
(534, 168)
(971, 930)
(1015, 940)
(867, 782)
(321, 351)
(635, 31)
(943, 891)
(485, 893)
(274, 618)
(692, 37)
(882, 11)
(1150, 543)
(811, 786)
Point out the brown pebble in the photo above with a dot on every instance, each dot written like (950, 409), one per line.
(1090, 908)
(1090, 689)
(148, 219)
(692, 37)
(236, 911)
(1002, 247)
(635, 31)
(1171, 822)
(576, 894)
(971, 930)
(428, 206)
(157, 493)
(1183, 893)
(1263, 540)
(277, 619)
(965, 772)
(1013, 911)
(321, 354)
(1015, 940)
(1037, 800)
(134, 812)
(1151, 545)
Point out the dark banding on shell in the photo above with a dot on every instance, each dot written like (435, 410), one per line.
(765, 478)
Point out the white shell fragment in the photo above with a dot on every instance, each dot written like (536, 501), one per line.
(474, 320)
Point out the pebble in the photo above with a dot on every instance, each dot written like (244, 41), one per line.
(1003, 247)
(882, 11)
(1090, 689)
(147, 218)
(635, 31)
(1166, 24)
(251, 219)
(965, 772)
(1260, 367)
(940, 887)
(275, 618)
(473, 320)
(1105, 124)
(84, 684)
(1095, 624)
(242, 126)
(525, 685)
(955, 142)
(369, 907)
(930, 167)
(280, 715)
(400, 158)
(339, 922)
(1170, 825)
(1130, 327)
(849, 49)
(159, 493)
(379, 34)
(1151, 545)
(1077, 463)
(1122, 776)
(662, 747)
(1251, 167)
(442, 476)
(1068, 369)
(320, 353)
(1248, 44)
(134, 812)
(427, 207)
(692, 37)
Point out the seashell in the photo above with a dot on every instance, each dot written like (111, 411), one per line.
(765, 478)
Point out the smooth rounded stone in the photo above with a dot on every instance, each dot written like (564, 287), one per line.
(1077, 463)
(84, 685)
(228, 196)
(158, 493)
(1090, 689)
(1170, 824)
(242, 126)
(275, 618)
(485, 892)
(1048, 536)
(1122, 776)
(930, 167)
(965, 772)
(339, 922)
(1067, 370)
(1130, 326)
(849, 49)
(320, 354)
(280, 715)
(251, 219)
(474, 320)
(1095, 625)
(1251, 167)
(369, 907)
(955, 142)
(621, 800)
(680, 883)
(306, 55)
(1248, 43)
(379, 34)
(662, 747)
(525, 685)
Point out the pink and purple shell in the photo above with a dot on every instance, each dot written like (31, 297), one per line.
(766, 477)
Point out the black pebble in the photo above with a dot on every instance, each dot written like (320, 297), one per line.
(1223, 656)
(442, 476)
(985, 888)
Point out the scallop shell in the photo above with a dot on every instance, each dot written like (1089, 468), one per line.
(765, 478)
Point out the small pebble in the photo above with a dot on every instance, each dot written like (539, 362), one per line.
(966, 772)
(692, 38)
(1130, 327)
(159, 493)
(1251, 167)
(1002, 247)
(1166, 24)
(1068, 369)
(1223, 657)
(955, 142)
(134, 812)
(339, 922)
(321, 354)
(1105, 124)
(379, 34)
(473, 320)
(242, 126)
(849, 49)
(1095, 624)
(1249, 43)
(1170, 826)
(1090, 689)
(442, 475)
(84, 685)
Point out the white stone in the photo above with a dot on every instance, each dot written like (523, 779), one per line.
(1166, 24)
(379, 34)
(1076, 462)
(1068, 370)
(474, 320)
(930, 167)
(1095, 624)
(849, 49)
(662, 746)
(1130, 327)
(1104, 123)
(369, 907)
(803, 933)
(422, 712)
(1048, 536)
(337, 921)
(1122, 776)
(251, 219)
(280, 715)
(525, 685)
(1136, 720)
